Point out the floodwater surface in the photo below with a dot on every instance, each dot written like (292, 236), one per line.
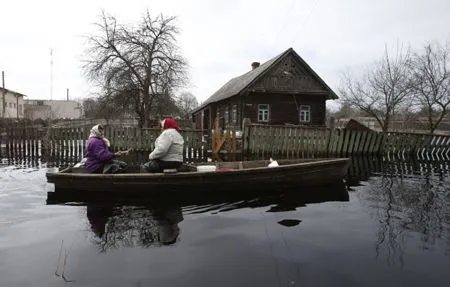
(386, 227)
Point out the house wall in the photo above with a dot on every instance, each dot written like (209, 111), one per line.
(33, 112)
(60, 109)
(284, 109)
(226, 119)
(14, 107)
(197, 118)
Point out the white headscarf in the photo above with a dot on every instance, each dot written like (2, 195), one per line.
(95, 132)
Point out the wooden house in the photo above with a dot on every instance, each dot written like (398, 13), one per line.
(283, 90)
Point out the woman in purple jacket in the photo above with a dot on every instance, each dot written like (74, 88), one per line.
(99, 159)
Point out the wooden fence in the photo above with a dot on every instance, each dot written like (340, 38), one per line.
(258, 141)
(363, 168)
(68, 144)
(294, 141)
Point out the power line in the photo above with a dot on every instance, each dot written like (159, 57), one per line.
(306, 18)
(288, 13)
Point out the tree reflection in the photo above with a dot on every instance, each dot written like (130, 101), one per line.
(390, 238)
(411, 200)
(129, 226)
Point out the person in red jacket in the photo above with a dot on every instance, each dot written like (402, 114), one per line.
(99, 159)
(168, 152)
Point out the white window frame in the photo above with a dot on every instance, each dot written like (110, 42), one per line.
(304, 113)
(234, 114)
(227, 115)
(265, 113)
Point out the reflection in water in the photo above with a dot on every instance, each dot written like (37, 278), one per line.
(129, 226)
(289, 222)
(405, 198)
(408, 198)
(398, 212)
(146, 222)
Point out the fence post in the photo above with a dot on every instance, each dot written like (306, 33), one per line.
(245, 144)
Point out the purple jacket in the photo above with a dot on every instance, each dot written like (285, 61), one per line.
(97, 154)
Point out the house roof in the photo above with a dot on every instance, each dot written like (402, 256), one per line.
(12, 92)
(240, 83)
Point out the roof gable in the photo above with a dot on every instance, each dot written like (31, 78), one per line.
(4, 90)
(254, 78)
(289, 74)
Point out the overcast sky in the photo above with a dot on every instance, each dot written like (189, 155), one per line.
(219, 38)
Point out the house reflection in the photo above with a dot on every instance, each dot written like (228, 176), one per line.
(130, 226)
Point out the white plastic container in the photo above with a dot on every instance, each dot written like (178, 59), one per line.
(206, 168)
(273, 163)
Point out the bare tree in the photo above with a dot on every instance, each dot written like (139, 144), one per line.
(186, 103)
(136, 64)
(382, 89)
(102, 108)
(431, 82)
(166, 106)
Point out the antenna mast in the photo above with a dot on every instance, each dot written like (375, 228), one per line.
(51, 74)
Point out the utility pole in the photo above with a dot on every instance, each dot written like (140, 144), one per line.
(51, 84)
(51, 73)
(3, 95)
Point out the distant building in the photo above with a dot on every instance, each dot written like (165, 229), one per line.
(11, 104)
(54, 109)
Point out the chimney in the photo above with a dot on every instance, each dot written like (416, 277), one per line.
(67, 94)
(255, 65)
(3, 79)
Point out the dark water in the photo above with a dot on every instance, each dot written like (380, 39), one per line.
(390, 227)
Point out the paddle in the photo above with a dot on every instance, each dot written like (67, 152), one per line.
(124, 152)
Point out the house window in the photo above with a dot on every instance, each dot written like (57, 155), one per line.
(263, 113)
(234, 114)
(40, 103)
(227, 115)
(305, 114)
(217, 120)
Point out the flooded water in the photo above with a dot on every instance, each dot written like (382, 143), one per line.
(388, 226)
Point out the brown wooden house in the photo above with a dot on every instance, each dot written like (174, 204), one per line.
(283, 90)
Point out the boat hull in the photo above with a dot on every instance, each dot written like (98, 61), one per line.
(317, 172)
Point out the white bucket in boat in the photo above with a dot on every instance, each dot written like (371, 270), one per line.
(206, 168)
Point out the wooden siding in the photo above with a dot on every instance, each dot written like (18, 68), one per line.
(284, 108)
(289, 75)
(198, 120)
(221, 108)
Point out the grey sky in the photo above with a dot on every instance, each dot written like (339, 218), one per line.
(219, 38)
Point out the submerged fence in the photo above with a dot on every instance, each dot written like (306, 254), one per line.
(68, 144)
(294, 141)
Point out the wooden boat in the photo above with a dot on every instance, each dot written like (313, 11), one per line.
(229, 176)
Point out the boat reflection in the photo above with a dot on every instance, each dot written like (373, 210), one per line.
(154, 222)
(129, 226)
